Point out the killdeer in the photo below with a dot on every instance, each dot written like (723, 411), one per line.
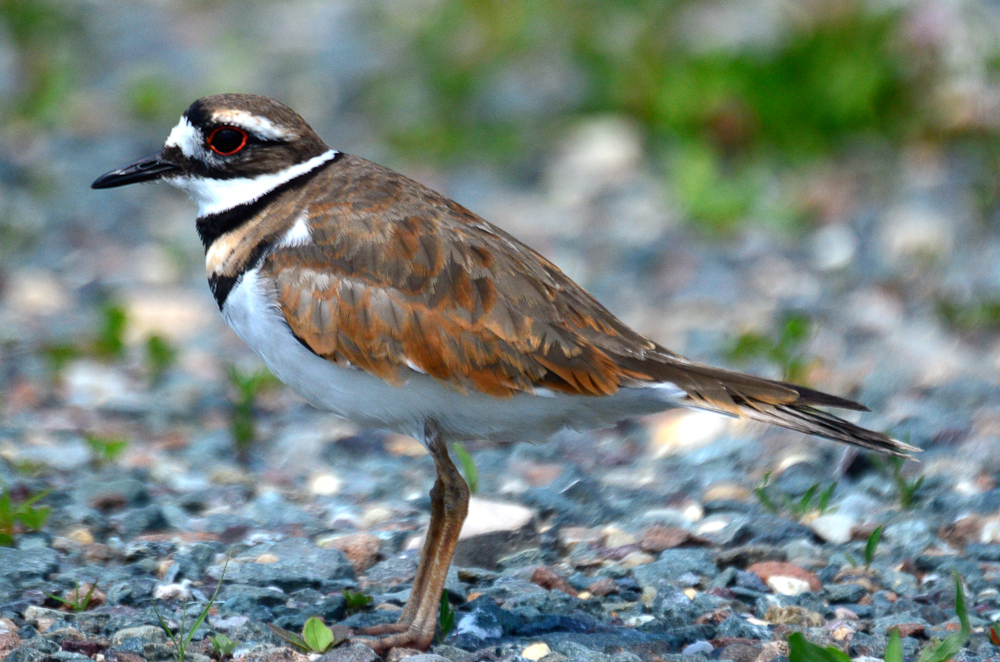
(378, 299)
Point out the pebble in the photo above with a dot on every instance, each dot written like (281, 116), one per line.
(361, 549)
(834, 528)
(786, 575)
(536, 652)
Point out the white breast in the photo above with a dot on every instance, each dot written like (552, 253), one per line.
(252, 313)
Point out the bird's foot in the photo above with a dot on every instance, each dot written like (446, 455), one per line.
(381, 638)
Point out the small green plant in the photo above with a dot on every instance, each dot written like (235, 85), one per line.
(105, 450)
(994, 635)
(906, 489)
(182, 638)
(950, 645)
(316, 637)
(813, 500)
(248, 387)
(110, 341)
(446, 619)
(159, 357)
(77, 602)
(786, 349)
(21, 515)
(872, 545)
(469, 469)
(356, 600)
(802, 650)
(222, 646)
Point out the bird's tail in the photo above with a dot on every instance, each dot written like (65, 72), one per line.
(774, 402)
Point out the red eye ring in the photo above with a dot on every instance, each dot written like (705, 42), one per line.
(233, 140)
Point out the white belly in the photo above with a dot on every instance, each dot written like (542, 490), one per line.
(370, 401)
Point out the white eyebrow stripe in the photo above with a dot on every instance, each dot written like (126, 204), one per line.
(218, 195)
(260, 126)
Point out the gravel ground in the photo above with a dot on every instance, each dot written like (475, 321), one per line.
(648, 541)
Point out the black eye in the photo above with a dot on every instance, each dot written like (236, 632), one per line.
(227, 140)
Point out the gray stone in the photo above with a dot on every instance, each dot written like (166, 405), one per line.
(67, 656)
(575, 651)
(737, 626)
(387, 575)
(26, 654)
(350, 653)
(153, 633)
(884, 624)
(674, 564)
(673, 608)
(845, 592)
(23, 566)
(299, 564)
(123, 491)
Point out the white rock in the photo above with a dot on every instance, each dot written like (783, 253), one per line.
(536, 652)
(834, 247)
(834, 527)
(788, 585)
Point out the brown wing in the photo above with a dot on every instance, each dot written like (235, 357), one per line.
(399, 277)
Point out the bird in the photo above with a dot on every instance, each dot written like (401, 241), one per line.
(393, 306)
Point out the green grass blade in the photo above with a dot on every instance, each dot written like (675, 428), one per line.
(948, 648)
(872, 545)
(894, 651)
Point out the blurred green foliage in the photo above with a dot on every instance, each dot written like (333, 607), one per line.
(982, 315)
(840, 71)
(110, 341)
(152, 98)
(42, 30)
(784, 348)
(160, 355)
(247, 387)
(18, 514)
(105, 450)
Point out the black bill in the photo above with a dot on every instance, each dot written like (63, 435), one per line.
(144, 170)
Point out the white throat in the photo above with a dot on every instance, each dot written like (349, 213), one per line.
(218, 195)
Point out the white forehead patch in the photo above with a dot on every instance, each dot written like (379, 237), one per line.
(218, 195)
(260, 126)
(187, 138)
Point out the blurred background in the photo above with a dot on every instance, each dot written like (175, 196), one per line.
(804, 189)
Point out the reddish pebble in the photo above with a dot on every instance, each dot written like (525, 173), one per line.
(549, 579)
(657, 538)
(604, 586)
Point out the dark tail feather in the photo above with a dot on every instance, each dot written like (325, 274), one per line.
(804, 418)
(768, 401)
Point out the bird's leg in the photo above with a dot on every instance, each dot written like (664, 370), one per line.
(449, 506)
